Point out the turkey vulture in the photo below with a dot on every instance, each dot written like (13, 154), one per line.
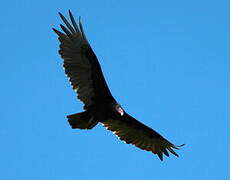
(86, 77)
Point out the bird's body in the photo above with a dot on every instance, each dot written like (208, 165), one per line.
(86, 77)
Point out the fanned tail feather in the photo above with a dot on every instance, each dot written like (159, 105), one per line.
(82, 120)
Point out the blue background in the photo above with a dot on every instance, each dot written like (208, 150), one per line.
(166, 62)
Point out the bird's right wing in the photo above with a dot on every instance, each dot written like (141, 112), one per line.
(81, 64)
(134, 132)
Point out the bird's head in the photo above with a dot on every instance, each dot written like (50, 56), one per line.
(119, 109)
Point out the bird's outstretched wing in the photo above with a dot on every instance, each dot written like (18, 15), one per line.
(81, 64)
(134, 132)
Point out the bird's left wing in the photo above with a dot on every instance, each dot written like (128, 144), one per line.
(134, 132)
(81, 64)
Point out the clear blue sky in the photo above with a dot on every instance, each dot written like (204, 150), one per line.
(166, 62)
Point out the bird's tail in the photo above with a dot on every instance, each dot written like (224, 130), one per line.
(82, 120)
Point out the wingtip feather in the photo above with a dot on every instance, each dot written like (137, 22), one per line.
(60, 14)
(173, 152)
(160, 156)
(73, 21)
(57, 32)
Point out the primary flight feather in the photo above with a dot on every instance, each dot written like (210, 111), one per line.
(85, 75)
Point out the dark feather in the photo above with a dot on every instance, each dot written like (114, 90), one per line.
(80, 63)
(134, 132)
(65, 30)
(73, 22)
(86, 77)
(67, 23)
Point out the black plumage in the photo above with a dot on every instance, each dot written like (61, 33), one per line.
(85, 75)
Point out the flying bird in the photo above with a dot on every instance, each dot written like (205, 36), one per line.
(85, 75)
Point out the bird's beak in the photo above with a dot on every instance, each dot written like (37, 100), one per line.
(120, 110)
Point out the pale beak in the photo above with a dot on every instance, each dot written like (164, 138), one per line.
(120, 110)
